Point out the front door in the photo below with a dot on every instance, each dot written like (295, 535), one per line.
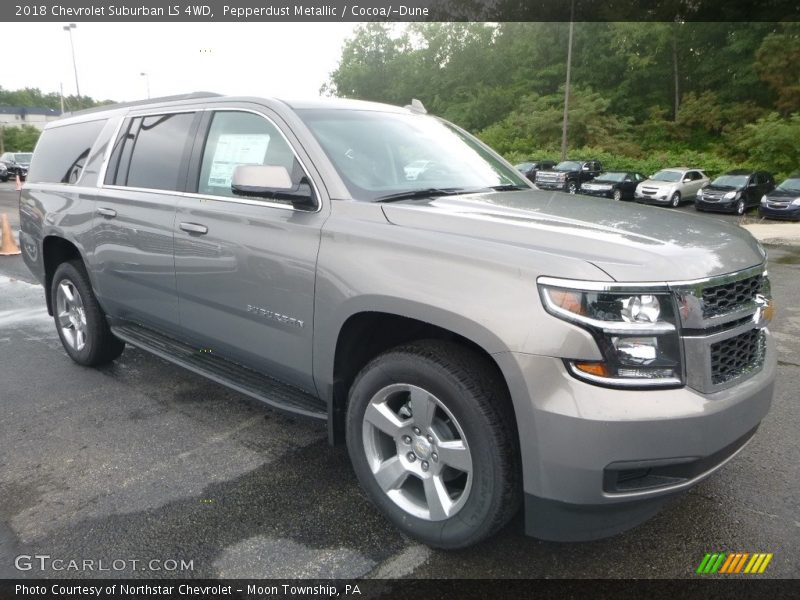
(246, 267)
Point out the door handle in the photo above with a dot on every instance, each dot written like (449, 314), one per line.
(107, 212)
(194, 228)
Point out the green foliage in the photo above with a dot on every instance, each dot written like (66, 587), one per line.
(20, 139)
(506, 80)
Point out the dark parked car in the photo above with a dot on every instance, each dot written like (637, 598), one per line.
(568, 175)
(3, 172)
(734, 192)
(16, 163)
(784, 201)
(530, 167)
(619, 185)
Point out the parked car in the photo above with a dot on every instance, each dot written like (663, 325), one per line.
(530, 167)
(671, 187)
(734, 192)
(568, 175)
(477, 346)
(619, 185)
(784, 201)
(16, 163)
(3, 172)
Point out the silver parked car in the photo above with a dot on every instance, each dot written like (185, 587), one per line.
(477, 345)
(672, 187)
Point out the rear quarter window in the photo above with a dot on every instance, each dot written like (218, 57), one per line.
(61, 152)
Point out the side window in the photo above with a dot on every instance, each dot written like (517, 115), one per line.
(61, 152)
(150, 152)
(693, 175)
(239, 138)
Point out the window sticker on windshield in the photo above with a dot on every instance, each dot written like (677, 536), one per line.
(234, 150)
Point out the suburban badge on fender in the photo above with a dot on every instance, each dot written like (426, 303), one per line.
(275, 316)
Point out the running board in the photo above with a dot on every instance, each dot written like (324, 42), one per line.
(261, 387)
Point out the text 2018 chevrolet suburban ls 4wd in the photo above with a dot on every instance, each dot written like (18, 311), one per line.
(478, 344)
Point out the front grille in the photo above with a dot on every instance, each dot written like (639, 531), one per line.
(737, 355)
(720, 299)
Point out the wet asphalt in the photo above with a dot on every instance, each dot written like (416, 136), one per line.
(142, 460)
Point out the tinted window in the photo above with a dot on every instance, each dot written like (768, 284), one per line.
(157, 152)
(62, 151)
(237, 138)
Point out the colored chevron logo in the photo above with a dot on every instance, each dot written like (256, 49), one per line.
(734, 562)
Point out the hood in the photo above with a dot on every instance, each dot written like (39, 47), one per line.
(629, 242)
(658, 184)
(777, 194)
(722, 188)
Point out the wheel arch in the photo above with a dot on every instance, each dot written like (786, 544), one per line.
(57, 250)
(367, 333)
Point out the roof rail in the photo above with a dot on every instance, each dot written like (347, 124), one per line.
(176, 98)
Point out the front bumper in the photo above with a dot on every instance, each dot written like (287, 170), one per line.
(657, 198)
(576, 439)
(716, 206)
(792, 213)
(597, 193)
(551, 185)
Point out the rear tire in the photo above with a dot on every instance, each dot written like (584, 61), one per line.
(431, 435)
(80, 322)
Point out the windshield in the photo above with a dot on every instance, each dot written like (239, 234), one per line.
(379, 154)
(23, 158)
(790, 185)
(731, 181)
(568, 165)
(611, 177)
(667, 176)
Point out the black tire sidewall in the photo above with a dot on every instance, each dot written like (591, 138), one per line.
(469, 523)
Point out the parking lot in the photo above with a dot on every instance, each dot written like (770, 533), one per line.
(144, 461)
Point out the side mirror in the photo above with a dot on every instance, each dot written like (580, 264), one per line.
(271, 182)
(688, 180)
(585, 167)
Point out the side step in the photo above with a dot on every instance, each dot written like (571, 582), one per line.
(261, 387)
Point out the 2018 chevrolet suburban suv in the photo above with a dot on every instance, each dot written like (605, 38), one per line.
(477, 344)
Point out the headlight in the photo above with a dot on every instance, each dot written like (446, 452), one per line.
(796, 202)
(764, 199)
(731, 195)
(636, 332)
(700, 193)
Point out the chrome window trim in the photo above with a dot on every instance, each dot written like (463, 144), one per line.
(248, 201)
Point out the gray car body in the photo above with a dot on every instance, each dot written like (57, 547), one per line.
(466, 264)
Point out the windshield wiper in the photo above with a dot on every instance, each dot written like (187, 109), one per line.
(509, 187)
(423, 193)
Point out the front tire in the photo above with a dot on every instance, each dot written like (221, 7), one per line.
(740, 207)
(80, 322)
(617, 195)
(572, 187)
(430, 432)
(675, 200)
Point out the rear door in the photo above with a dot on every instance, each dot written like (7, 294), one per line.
(135, 214)
(246, 266)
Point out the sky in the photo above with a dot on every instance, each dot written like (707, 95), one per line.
(285, 60)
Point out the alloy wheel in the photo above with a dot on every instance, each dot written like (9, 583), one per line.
(417, 452)
(71, 315)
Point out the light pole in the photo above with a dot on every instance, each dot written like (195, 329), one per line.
(68, 29)
(147, 80)
(565, 122)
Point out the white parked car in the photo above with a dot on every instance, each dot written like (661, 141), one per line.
(672, 186)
